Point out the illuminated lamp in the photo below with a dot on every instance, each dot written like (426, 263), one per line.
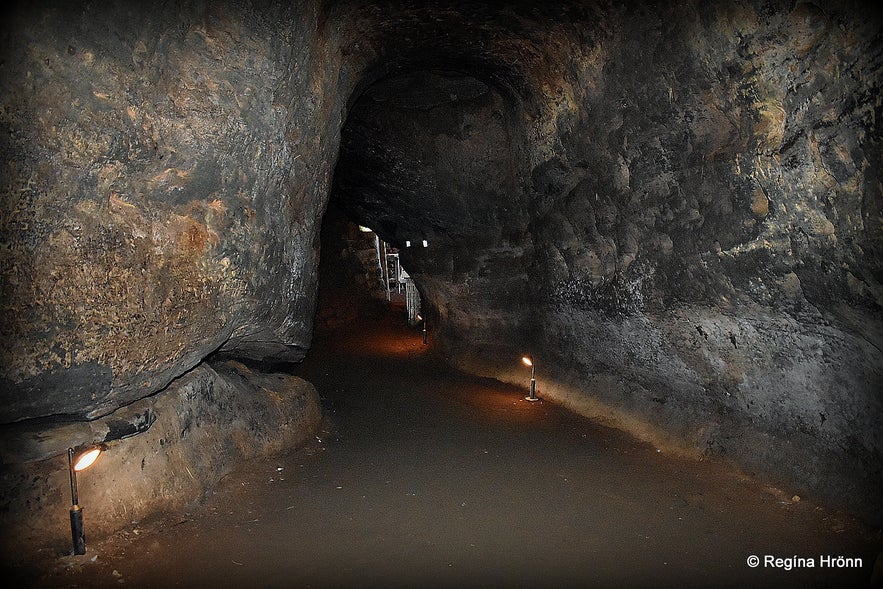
(529, 361)
(420, 318)
(77, 461)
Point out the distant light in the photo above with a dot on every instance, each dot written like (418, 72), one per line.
(87, 459)
(364, 229)
(425, 243)
(419, 318)
(408, 243)
(528, 361)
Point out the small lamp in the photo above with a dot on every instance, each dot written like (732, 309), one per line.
(76, 462)
(528, 361)
(420, 318)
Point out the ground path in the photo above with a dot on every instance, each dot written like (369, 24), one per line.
(425, 477)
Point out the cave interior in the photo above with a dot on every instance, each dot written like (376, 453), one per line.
(676, 208)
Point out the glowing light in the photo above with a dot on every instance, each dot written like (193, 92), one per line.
(528, 361)
(364, 229)
(87, 459)
(425, 243)
(83, 460)
(408, 243)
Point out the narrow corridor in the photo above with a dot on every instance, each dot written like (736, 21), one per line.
(427, 477)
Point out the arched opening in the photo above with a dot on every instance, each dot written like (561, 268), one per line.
(431, 160)
(673, 203)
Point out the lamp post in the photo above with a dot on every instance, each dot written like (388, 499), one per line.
(82, 461)
(529, 361)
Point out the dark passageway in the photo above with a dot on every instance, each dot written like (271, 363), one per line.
(211, 214)
(425, 477)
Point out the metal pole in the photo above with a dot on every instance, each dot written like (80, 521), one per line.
(77, 535)
(533, 381)
(385, 271)
(424, 332)
(70, 463)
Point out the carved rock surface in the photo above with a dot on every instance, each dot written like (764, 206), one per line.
(164, 171)
(203, 425)
(675, 207)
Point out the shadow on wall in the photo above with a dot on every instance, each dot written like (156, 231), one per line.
(205, 423)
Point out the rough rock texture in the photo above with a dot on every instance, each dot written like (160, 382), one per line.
(163, 174)
(350, 277)
(675, 207)
(203, 425)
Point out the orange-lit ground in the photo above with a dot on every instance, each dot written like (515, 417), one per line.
(424, 477)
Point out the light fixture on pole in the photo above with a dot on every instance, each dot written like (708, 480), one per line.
(420, 318)
(81, 461)
(529, 361)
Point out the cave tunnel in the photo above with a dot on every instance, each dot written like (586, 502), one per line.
(430, 160)
(674, 209)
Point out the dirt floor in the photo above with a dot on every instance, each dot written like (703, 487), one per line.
(426, 477)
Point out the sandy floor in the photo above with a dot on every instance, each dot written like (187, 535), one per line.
(426, 477)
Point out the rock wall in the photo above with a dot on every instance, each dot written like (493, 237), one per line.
(201, 427)
(721, 257)
(164, 168)
(675, 209)
(164, 171)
